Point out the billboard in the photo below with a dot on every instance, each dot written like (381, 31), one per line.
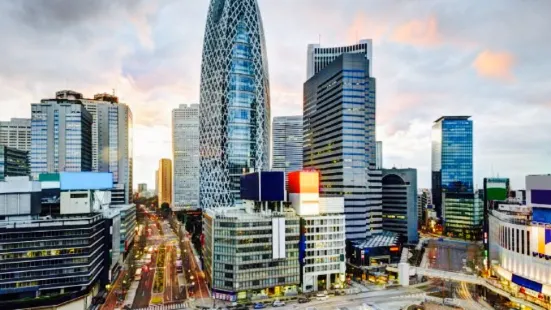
(263, 186)
(85, 181)
(304, 182)
(540, 241)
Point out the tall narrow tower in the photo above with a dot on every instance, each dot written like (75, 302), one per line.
(235, 101)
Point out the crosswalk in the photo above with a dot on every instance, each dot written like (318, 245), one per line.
(178, 306)
(414, 295)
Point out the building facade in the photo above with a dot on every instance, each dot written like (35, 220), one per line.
(322, 233)
(287, 143)
(339, 140)
(452, 174)
(519, 244)
(61, 136)
(61, 256)
(250, 254)
(16, 133)
(400, 214)
(165, 181)
(319, 57)
(13, 162)
(185, 153)
(234, 101)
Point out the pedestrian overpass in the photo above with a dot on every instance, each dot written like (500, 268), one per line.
(459, 277)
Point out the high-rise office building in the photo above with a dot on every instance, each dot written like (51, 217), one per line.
(287, 143)
(452, 157)
(452, 175)
(379, 155)
(112, 139)
(185, 154)
(165, 181)
(400, 202)
(235, 101)
(339, 140)
(61, 136)
(13, 162)
(16, 133)
(319, 57)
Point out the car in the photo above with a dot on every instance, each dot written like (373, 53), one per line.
(259, 306)
(278, 303)
(303, 300)
(322, 297)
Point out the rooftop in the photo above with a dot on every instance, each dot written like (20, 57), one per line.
(49, 221)
(452, 118)
(246, 213)
(385, 239)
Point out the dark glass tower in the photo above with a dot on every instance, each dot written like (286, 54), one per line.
(339, 139)
(452, 173)
(234, 116)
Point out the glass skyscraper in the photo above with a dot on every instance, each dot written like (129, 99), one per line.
(61, 137)
(287, 143)
(452, 171)
(339, 140)
(234, 102)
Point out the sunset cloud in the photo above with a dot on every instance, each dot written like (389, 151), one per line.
(495, 65)
(426, 54)
(418, 32)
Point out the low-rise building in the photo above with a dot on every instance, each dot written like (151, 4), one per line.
(519, 242)
(251, 255)
(322, 233)
(47, 260)
(251, 250)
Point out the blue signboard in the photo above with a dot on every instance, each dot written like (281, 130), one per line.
(263, 186)
(86, 181)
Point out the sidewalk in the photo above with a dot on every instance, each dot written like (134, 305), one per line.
(131, 294)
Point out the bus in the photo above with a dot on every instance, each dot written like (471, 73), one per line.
(138, 275)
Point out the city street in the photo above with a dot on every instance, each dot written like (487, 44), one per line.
(111, 299)
(143, 294)
(195, 278)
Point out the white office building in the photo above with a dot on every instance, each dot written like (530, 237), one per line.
(16, 133)
(185, 154)
(322, 240)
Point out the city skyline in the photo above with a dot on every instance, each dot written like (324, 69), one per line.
(425, 56)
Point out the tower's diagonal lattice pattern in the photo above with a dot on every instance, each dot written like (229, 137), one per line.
(234, 102)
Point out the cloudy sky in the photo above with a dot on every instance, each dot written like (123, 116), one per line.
(488, 59)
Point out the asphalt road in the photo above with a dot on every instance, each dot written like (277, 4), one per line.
(143, 294)
(194, 276)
